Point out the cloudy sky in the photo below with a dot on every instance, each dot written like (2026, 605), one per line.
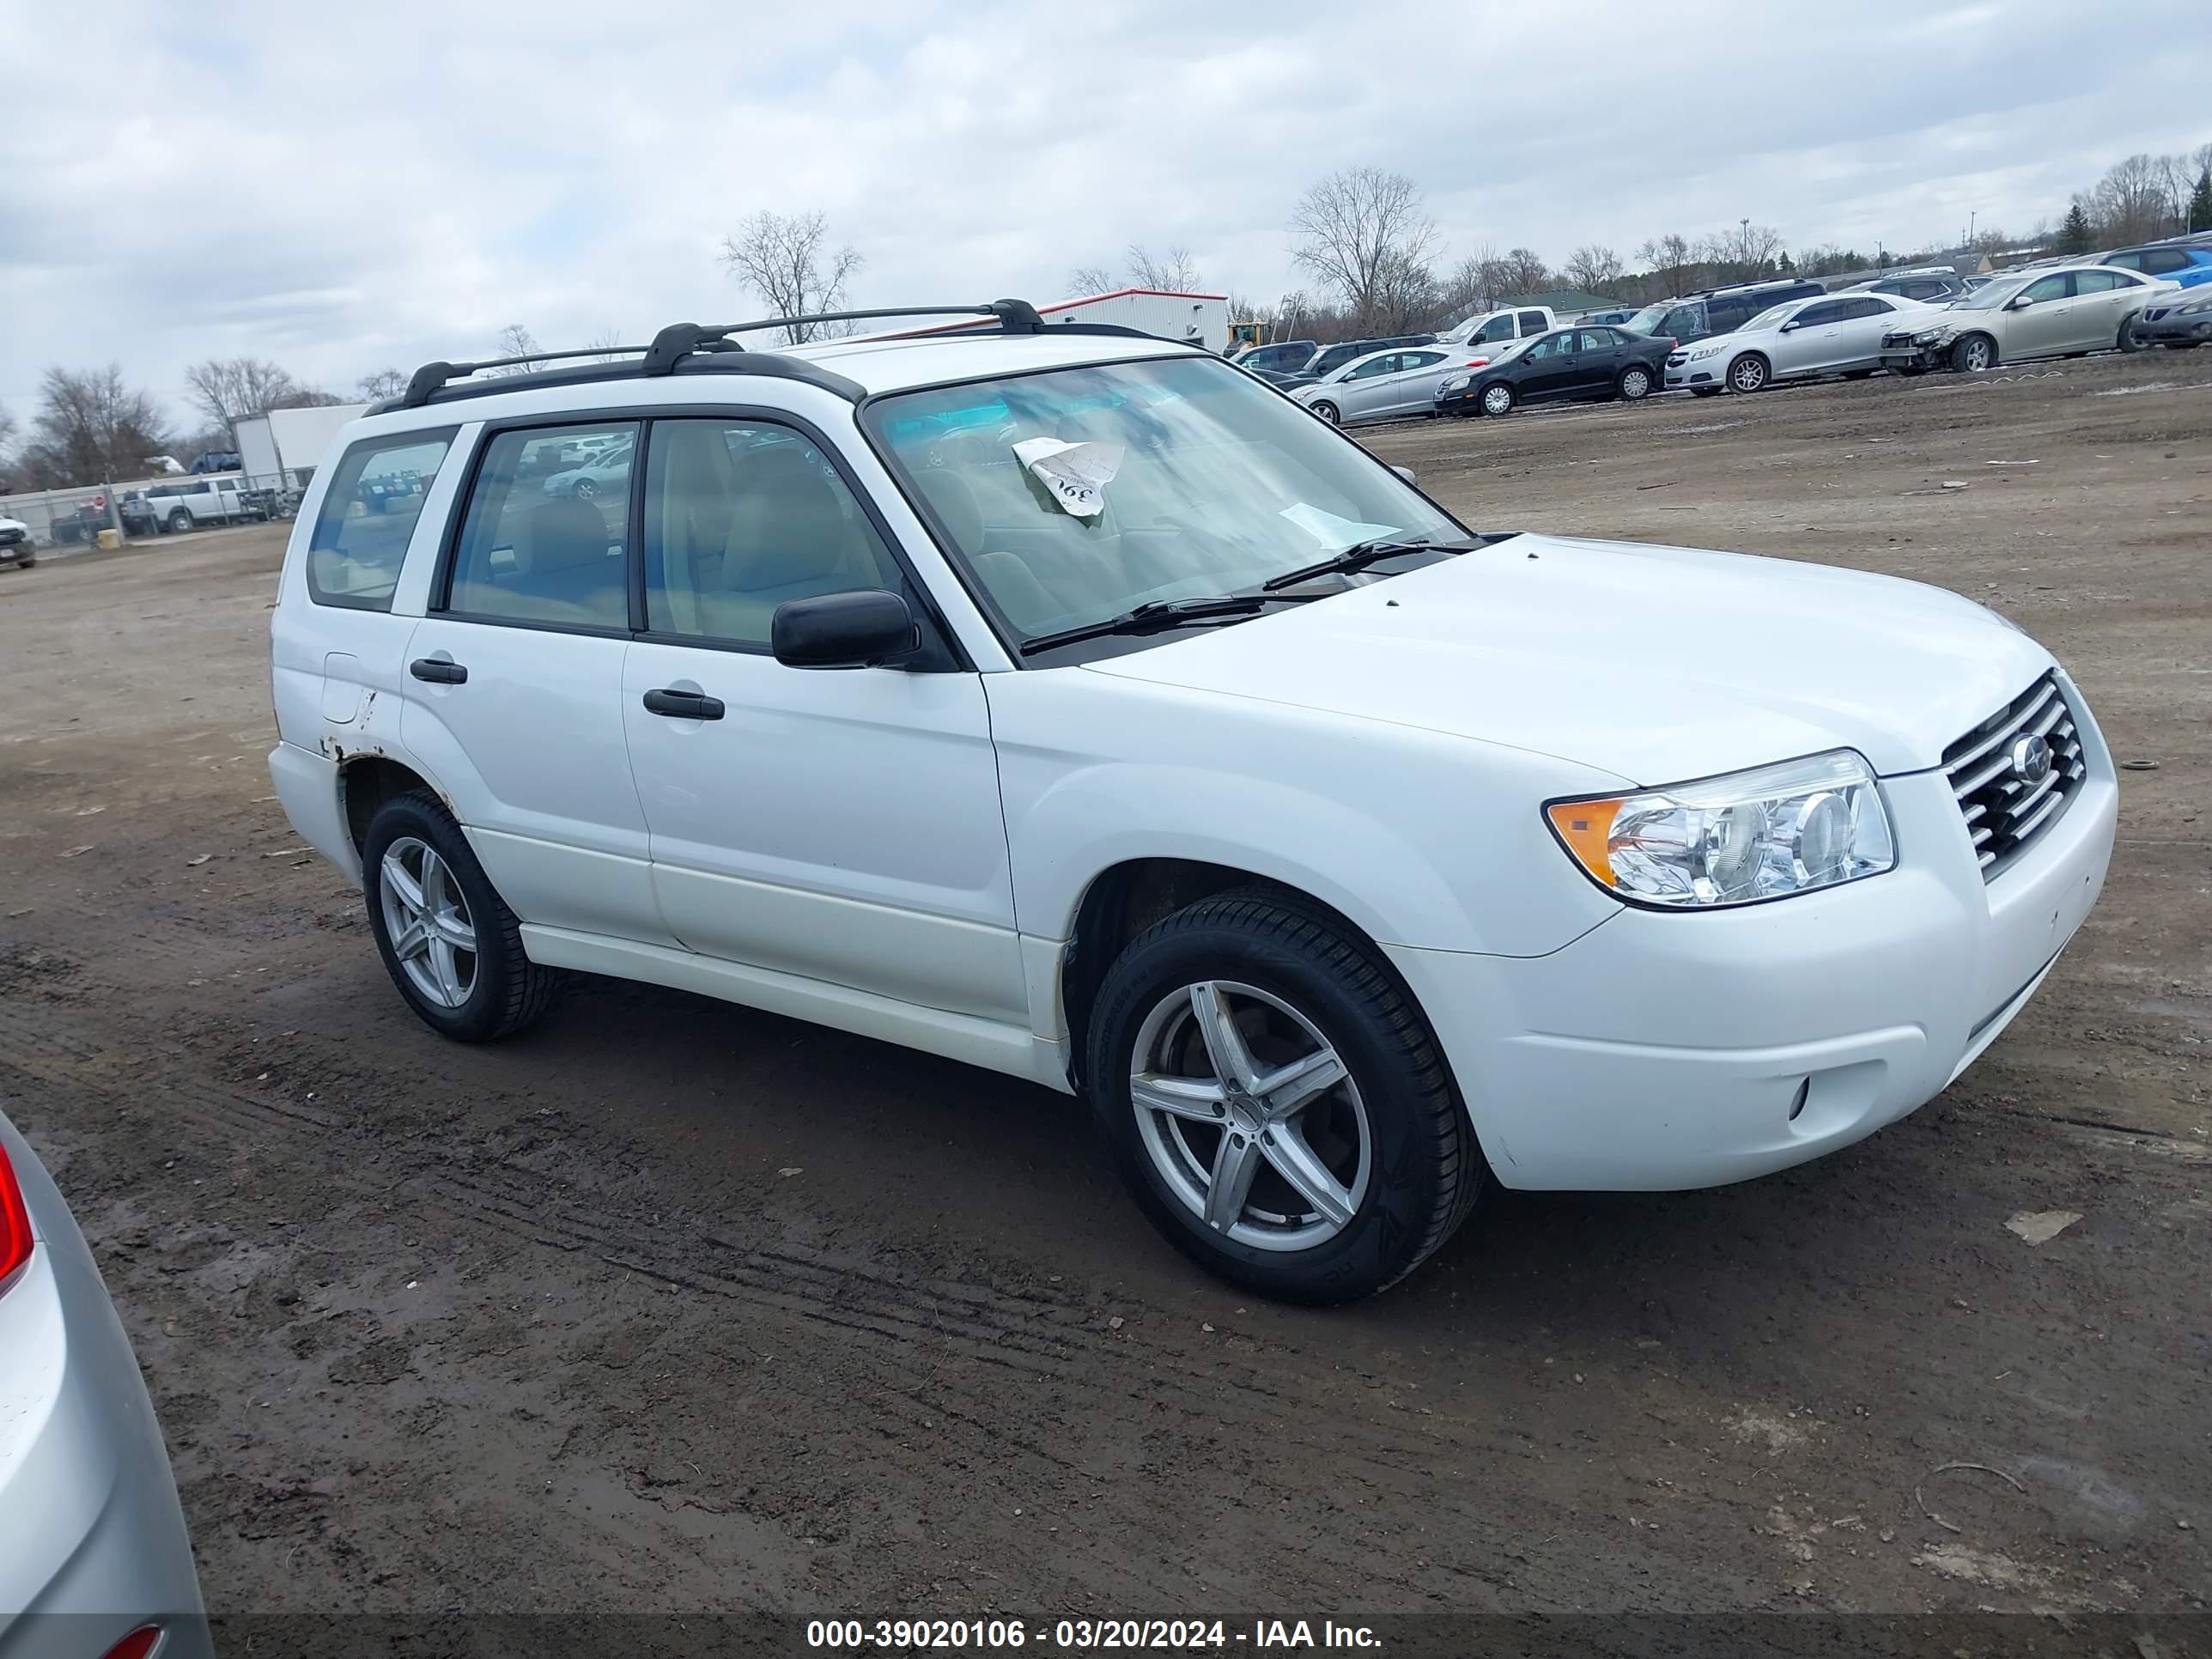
(346, 186)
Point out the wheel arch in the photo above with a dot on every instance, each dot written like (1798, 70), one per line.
(367, 782)
(1958, 346)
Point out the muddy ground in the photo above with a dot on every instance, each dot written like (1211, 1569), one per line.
(669, 1306)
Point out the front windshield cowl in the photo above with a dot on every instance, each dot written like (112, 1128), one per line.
(1137, 483)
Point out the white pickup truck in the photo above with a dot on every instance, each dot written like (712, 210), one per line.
(190, 503)
(1500, 328)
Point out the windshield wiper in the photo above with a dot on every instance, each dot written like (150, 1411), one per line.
(1151, 617)
(1360, 554)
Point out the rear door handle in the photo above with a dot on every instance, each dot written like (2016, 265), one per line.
(438, 670)
(684, 705)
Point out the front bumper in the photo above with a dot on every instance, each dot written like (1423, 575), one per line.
(2169, 324)
(1664, 1051)
(92, 1539)
(1683, 371)
(1899, 352)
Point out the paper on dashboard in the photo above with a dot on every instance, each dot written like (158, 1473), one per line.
(1076, 474)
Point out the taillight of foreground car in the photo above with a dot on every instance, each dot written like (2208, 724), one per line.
(139, 1645)
(14, 1226)
(1740, 839)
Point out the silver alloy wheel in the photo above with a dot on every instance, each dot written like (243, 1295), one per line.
(427, 918)
(1496, 400)
(1747, 375)
(1977, 354)
(584, 489)
(1635, 383)
(1249, 1117)
(1326, 410)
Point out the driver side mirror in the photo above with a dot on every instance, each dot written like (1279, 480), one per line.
(1405, 472)
(2019, 302)
(861, 628)
(1791, 326)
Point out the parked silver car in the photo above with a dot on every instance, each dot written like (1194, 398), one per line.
(1386, 386)
(1829, 334)
(93, 1552)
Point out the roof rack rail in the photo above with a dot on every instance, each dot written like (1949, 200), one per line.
(679, 341)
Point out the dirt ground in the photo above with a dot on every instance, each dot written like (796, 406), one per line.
(673, 1306)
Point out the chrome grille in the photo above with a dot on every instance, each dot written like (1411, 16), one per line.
(2004, 812)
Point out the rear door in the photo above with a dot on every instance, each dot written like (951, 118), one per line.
(1411, 388)
(1597, 361)
(2103, 299)
(1866, 318)
(514, 681)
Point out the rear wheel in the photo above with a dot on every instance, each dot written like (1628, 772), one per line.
(1276, 1103)
(1635, 383)
(1497, 399)
(1748, 373)
(447, 938)
(180, 521)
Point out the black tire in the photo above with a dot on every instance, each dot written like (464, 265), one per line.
(1497, 399)
(1910, 371)
(1705, 391)
(1425, 1170)
(1326, 410)
(1858, 373)
(1964, 352)
(1748, 373)
(180, 521)
(2182, 345)
(1638, 377)
(28, 561)
(509, 991)
(2130, 340)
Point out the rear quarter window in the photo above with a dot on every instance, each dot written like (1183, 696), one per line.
(369, 517)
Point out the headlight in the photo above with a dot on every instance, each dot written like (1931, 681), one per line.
(1930, 336)
(2195, 306)
(1740, 839)
(1700, 353)
(1457, 383)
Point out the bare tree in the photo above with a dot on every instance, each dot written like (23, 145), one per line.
(788, 262)
(381, 384)
(91, 425)
(606, 345)
(516, 340)
(2130, 202)
(229, 389)
(1521, 271)
(8, 429)
(1091, 279)
(1364, 233)
(1672, 262)
(1468, 286)
(1592, 266)
(1175, 273)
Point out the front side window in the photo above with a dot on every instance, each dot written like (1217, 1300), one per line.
(1211, 485)
(741, 517)
(368, 518)
(1550, 347)
(544, 538)
(1683, 320)
(1497, 329)
(2044, 289)
(1373, 366)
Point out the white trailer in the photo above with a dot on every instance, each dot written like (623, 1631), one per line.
(284, 447)
(1200, 318)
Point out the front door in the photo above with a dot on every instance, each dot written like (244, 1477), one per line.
(513, 690)
(1807, 343)
(1597, 361)
(1551, 367)
(844, 825)
(1365, 391)
(2041, 325)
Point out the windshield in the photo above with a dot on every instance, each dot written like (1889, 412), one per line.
(1648, 319)
(1993, 294)
(1202, 482)
(1772, 317)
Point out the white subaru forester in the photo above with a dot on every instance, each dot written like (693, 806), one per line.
(1071, 702)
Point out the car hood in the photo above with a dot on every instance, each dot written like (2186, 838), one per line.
(1656, 664)
(14, 524)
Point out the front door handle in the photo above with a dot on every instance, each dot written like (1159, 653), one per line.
(438, 670)
(684, 705)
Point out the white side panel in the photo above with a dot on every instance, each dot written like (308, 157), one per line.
(256, 448)
(993, 1044)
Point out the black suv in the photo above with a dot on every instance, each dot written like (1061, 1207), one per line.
(1933, 287)
(1717, 311)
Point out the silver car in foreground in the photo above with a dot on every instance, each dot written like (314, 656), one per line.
(1387, 385)
(1828, 334)
(95, 1563)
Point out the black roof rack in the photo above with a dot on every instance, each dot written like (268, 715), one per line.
(695, 347)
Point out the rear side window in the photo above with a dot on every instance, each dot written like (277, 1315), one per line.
(369, 517)
(547, 522)
(1534, 322)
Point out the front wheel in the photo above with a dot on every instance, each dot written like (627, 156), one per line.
(1635, 384)
(2131, 338)
(1858, 373)
(1275, 1101)
(1497, 399)
(1748, 373)
(1327, 411)
(1974, 354)
(447, 938)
